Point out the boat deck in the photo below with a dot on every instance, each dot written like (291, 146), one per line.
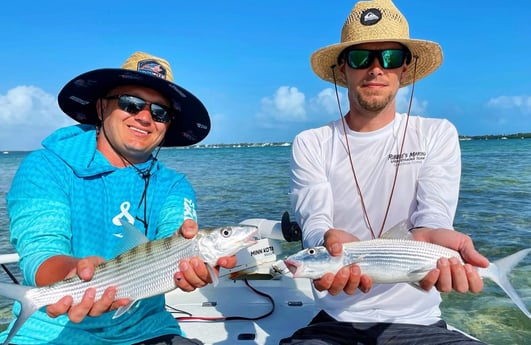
(294, 308)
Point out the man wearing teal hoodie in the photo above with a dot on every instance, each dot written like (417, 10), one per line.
(67, 200)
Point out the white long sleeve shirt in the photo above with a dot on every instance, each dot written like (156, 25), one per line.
(324, 196)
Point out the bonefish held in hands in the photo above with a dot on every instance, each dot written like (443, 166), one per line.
(144, 271)
(394, 261)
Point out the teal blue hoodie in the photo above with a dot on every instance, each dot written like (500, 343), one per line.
(66, 199)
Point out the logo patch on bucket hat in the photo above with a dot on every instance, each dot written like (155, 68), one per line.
(371, 16)
(152, 67)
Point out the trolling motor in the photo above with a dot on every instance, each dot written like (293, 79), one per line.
(291, 230)
(272, 229)
(256, 260)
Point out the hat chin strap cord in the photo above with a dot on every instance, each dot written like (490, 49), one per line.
(145, 174)
(343, 121)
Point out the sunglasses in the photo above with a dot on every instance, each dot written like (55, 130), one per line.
(133, 105)
(388, 58)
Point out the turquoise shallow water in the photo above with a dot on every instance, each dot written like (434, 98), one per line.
(234, 184)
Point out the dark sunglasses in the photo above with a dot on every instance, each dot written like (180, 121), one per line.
(388, 58)
(133, 105)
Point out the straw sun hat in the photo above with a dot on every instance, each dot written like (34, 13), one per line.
(377, 21)
(191, 123)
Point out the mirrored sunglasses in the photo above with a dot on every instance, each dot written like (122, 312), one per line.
(388, 58)
(133, 105)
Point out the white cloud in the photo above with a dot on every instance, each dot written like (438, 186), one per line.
(28, 114)
(418, 107)
(326, 101)
(286, 105)
(522, 103)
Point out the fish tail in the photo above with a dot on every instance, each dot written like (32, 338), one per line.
(498, 272)
(19, 293)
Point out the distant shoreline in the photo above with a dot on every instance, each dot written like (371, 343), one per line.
(287, 143)
(496, 136)
(272, 144)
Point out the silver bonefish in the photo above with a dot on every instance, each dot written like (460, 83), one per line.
(394, 261)
(144, 271)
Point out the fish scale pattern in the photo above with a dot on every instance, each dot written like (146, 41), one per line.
(147, 270)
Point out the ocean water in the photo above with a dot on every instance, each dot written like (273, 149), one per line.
(237, 183)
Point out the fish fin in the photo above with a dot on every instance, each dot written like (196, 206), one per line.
(498, 272)
(124, 309)
(415, 276)
(213, 275)
(416, 285)
(19, 293)
(131, 237)
(400, 231)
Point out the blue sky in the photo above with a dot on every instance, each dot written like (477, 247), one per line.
(248, 61)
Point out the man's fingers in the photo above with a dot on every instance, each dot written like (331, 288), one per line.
(340, 281)
(227, 261)
(189, 228)
(459, 277)
(104, 304)
(192, 274)
(347, 279)
(474, 279)
(472, 256)
(429, 281)
(324, 282)
(444, 284)
(59, 308)
(354, 280)
(77, 312)
(365, 283)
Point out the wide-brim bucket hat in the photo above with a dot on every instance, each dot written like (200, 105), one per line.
(191, 123)
(377, 21)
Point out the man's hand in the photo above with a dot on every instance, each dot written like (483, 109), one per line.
(193, 272)
(347, 279)
(450, 273)
(89, 305)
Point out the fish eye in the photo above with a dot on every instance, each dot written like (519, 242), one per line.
(312, 251)
(226, 232)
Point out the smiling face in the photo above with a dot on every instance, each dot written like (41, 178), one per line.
(133, 137)
(372, 90)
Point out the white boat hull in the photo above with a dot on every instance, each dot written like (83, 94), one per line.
(293, 309)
